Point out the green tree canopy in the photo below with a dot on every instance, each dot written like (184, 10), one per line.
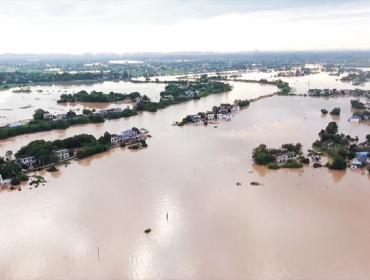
(39, 114)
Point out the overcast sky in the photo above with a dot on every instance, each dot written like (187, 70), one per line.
(166, 26)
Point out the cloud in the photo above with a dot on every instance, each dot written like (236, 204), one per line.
(129, 26)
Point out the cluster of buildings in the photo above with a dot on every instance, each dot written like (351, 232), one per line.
(224, 113)
(128, 135)
(49, 116)
(107, 111)
(348, 92)
(30, 161)
(291, 74)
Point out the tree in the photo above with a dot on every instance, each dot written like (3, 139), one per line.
(54, 158)
(338, 163)
(86, 111)
(324, 111)
(23, 177)
(9, 155)
(39, 114)
(261, 155)
(71, 114)
(368, 137)
(15, 181)
(335, 111)
(106, 139)
(332, 128)
(10, 169)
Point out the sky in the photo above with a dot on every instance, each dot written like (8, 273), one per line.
(80, 26)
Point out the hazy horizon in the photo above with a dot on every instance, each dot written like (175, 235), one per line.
(78, 27)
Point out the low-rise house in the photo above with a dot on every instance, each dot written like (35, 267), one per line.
(284, 157)
(143, 130)
(115, 139)
(189, 93)
(235, 108)
(128, 134)
(137, 99)
(62, 153)
(28, 161)
(117, 110)
(210, 116)
(226, 116)
(170, 97)
(195, 118)
(355, 118)
(327, 144)
(220, 116)
(48, 116)
(60, 117)
(359, 161)
(311, 91)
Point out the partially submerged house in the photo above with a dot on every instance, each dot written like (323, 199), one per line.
(128, 134)
(355, 118)
(327, 144)
(359, 161)
(27, 161)
(284, 157)
(62, 153)
(115, 139)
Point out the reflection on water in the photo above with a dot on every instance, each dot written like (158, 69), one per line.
(216, 229)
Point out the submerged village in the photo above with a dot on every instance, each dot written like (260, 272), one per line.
(342, 150)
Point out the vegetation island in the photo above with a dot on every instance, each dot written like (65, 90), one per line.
(344, 150)
(223, 112)
(174, 93)
(288, 156)
(41, 154)
(97, 97)
(341, 92)
(357, 79)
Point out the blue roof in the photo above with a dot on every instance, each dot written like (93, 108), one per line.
(362, 158)
(362, 153)
(357, 117)
(15, 125)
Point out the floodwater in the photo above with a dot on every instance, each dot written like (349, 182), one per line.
(21, 106)
(307, 223)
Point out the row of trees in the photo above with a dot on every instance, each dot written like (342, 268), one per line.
(43, 150)
(338, 146)
(98, 97)
(39, 125)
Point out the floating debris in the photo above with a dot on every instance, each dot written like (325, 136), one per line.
(147, 230)
(238, 183)
(256, 184)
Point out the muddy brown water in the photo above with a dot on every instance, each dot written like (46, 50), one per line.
(307, 223)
